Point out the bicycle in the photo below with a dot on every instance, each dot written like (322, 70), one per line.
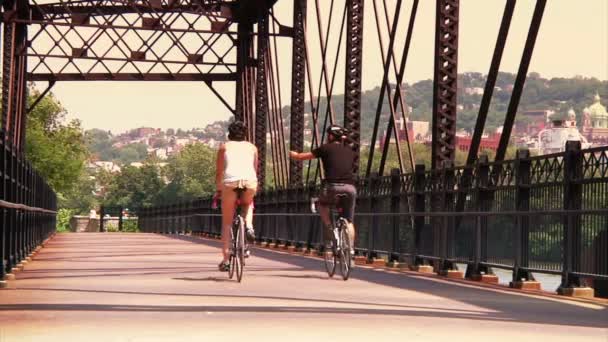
(239, 248)
(340, 249)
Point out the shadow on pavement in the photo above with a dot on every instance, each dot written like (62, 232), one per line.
(507, 306)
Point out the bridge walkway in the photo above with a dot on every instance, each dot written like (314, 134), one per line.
(146, 287)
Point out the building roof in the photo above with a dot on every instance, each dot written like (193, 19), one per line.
(597, 110)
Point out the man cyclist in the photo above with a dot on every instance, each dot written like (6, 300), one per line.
(236, 166)
(338, 161)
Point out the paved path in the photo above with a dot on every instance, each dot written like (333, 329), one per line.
(141, 287)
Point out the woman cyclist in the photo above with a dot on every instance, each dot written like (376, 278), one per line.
(236, 166)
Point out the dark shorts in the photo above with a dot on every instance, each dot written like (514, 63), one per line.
(347, 200)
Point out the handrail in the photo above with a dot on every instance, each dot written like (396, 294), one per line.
(10, 205)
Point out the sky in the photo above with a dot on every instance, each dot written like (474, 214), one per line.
(573, 40)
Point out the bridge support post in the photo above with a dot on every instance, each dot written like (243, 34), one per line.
(120, 211)
(14, 69)
(4, 263)
(447, 234)
(477, 271)
(522, 277)
(298, 92)
(395, 253)
(371, 236)
(445, 82)
(354, 67)
(245, 77)
(572, 284)
(419, 264)
(261, 99)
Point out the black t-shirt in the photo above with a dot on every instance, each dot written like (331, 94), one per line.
(338, 162)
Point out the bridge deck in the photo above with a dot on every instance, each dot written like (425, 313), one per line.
(142, 287)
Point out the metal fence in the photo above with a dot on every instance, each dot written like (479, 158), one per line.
(27, 208)
(544, 214)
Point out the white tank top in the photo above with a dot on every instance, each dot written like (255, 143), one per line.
(239, 158)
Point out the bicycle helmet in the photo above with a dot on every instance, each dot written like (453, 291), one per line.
(336, 131)
(237, 131)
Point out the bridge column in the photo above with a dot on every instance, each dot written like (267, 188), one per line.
(573, 285)
(447, 234)
(245, 77)
(261, 99)
(477, 271)
(419, 221)
(298, 82)
(445, 83)
(354, 66)
(522, 277)
(14, 68)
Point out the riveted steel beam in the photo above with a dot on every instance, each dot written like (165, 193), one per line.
(445, 83)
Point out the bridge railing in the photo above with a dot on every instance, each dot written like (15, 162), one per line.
(27, 208)
(546, 214)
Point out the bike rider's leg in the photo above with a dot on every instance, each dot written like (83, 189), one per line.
(324, 212)
(228, 201)
(247, 209)
(349, 212)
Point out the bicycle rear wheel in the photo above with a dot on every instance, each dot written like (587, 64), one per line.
(329, 255)
(240, 249)
(232, 259)
(345, 252)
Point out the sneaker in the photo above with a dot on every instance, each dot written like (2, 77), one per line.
(247, 253)
(250, 233)
(224, 266)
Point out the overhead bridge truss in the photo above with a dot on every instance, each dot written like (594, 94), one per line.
(212, 41)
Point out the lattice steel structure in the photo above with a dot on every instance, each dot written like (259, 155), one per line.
(354, 68)
(298, 88)
(234, 41)
(445, 85)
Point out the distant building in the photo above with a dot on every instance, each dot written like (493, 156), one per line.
(143, 132)
(531, 122)
(553, 139)
(104, 165)
(417, 131)
(473, 91)
(595, 122)
(488, 141)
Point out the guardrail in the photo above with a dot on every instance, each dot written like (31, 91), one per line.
(546, 214)
(27, 208)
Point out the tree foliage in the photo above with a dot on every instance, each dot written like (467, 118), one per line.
(191, 173)
(135, 187)
(56, 148)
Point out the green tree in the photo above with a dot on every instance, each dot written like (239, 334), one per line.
(132, 153)
(57, 150)
(191, 173)
(135, 187)
(99, 143)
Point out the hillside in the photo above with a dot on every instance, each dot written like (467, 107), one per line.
(558, 94)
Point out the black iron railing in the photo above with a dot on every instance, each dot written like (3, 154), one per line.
(27, 208)
(546, 214)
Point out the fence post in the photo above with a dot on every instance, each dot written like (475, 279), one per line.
(374, 206)
(573, 198)
(120, 211)
(447, 234)
(484, 197)
(395, 205)
(522, 277)
(419, 207)
(101, 214)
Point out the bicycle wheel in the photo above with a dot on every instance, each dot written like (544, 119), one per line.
(345, 252)
(329, 255)
(240, 249)
(232, 252)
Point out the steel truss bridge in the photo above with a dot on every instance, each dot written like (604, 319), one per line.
(532, 214)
